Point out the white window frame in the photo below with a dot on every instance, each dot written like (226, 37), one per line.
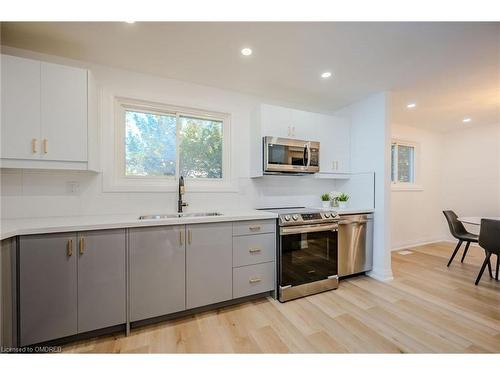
(116, 180)
(407, 186)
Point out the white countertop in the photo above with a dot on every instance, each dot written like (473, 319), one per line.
(18, 227)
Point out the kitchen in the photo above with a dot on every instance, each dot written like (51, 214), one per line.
(227, 220)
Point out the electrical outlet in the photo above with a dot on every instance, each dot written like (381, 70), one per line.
(73, 187)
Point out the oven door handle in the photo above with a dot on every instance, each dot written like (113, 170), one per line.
(308, 229)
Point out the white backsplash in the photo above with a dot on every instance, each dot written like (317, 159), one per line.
(28, 193)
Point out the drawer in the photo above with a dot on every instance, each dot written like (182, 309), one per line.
(259, 248)
(253, 279)
(242, 228)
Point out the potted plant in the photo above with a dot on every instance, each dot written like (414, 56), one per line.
(333, 197)
(342, 199)
(325, 199)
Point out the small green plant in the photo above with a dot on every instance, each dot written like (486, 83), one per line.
(325, 197)
(343, 197)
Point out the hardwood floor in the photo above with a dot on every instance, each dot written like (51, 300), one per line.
(427, 308)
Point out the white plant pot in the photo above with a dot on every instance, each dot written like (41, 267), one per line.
(326, 204)
(343, 205)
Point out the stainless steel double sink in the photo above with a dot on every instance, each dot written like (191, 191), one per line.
(179, 215)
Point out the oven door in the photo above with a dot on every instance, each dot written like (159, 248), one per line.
(308, 253)
(290, 155)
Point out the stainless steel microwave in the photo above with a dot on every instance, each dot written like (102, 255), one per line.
(285, 155)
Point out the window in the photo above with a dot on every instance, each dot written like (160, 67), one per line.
(155, 144)
(150, 144)
(404, 164)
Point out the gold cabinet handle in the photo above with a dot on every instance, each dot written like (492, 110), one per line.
(81, 245)
(254, 228)
(254, 280)
(189, 237)
(33, 145)
(254, 251)
(45, 145)
(181, 238)
(69, 248)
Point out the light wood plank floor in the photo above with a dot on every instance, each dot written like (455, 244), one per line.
(427, 308)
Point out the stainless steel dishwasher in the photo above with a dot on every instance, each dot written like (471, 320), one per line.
(355, 244)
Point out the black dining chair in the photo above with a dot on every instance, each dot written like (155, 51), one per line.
(458, 231)
(489, 240)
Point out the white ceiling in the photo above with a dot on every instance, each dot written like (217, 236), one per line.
(451, 70)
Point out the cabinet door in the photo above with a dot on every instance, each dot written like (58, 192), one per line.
(157, 271)
(276, 121)
(335, 145)
(306, 125)
(47, 287)
(20, 108)
(101, 279)
(63, 113)
(208, 264)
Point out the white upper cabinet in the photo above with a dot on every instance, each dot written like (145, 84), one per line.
(335, 145)
(64, 113)
(20, 108)
(48, 112)
(276, 121)
(332, 132)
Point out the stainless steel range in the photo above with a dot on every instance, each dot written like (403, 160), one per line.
(307, 252)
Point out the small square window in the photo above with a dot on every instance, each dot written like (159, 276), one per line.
(403, 163)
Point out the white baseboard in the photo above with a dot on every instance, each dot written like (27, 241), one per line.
(419, 243)
(380, 277)
(416, 244)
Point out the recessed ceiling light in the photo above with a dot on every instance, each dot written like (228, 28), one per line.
(467, 119)
(326, 75)
(411, 105)
(246, 51)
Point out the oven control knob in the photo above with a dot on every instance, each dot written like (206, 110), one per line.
(287, 218)
(327, 215)
(295, 217)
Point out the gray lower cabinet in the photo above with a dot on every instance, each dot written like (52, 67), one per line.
(157, 271)
(47, 287)
(208, 264)
(101, 279)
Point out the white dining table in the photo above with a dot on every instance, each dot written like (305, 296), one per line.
(476, 220)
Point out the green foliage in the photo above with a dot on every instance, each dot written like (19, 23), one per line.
(200, 148)
(151, 142)
(325, 197)
(343, 197)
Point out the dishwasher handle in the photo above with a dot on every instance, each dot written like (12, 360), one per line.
(345, 222)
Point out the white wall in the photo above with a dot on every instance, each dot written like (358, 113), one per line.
(370, 151)
(416, 215)
(471, 171)
(48, 193)
(459, 170)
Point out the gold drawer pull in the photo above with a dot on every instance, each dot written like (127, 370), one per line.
(254, 228)
(81, 245)
(69, 248)
(181, 239)
(45, 145)
(254, 251)
(255, 280)
(33, 145)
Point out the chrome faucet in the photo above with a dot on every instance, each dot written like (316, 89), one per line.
(180, 203)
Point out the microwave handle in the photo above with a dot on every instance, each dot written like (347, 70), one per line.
(308, 149)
